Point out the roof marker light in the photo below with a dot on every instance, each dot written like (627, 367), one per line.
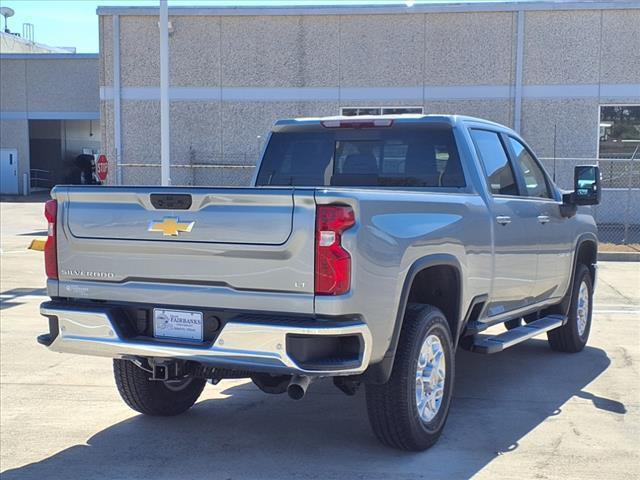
(364, 123)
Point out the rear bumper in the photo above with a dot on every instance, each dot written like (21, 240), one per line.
(246, 343)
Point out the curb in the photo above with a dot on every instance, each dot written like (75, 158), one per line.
(619, 256)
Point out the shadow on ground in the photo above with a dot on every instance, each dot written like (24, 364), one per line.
(15, 296)
(499, 399)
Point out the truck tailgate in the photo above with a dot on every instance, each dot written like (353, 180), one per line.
(240, 217)
(227, 240)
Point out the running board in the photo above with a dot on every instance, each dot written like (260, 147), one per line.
(497, 343)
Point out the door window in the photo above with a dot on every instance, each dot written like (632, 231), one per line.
(495, 161)
(534, 178)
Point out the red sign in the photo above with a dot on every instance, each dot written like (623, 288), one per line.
(102, 167)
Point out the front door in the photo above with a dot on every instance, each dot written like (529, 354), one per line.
(9, 171)
(553, 232)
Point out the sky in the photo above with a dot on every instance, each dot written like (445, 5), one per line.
(74, 23)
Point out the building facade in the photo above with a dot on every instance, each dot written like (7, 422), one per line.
(543, 68)
(49, 114)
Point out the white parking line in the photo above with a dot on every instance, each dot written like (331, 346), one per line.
(617, 305)
(633, 312)
(4, 253)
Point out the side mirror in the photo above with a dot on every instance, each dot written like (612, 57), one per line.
(586, 185)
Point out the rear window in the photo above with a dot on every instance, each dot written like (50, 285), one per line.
(397, 156)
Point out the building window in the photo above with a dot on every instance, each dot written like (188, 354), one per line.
(619, 131)
(355, 111)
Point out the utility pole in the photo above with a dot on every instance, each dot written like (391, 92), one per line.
(555, 137)
(165, 146)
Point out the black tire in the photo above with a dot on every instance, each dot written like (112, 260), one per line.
(392, 407)
(568, 338)
(152, 397)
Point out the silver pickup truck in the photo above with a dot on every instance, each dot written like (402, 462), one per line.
(367, 250)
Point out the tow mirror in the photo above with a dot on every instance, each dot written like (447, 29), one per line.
(586, 185)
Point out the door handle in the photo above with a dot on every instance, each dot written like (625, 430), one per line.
(543, 219)
(503, 219)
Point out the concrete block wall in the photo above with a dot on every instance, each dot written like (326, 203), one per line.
(342, 53)
(13, 96)
(62, 85)
(470, 48)
(14, 130)
(232, 76)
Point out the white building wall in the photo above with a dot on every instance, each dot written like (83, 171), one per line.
(233, 73)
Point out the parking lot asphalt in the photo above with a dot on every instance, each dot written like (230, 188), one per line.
(525, 413)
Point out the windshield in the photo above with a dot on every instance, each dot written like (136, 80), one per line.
(424, 156)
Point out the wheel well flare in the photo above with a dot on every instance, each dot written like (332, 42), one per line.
(439, 286)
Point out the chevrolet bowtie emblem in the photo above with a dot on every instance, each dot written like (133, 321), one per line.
(170, 226)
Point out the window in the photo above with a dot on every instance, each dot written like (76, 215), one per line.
(497, 169)
(412, 156)
(354, 111)
(534, 178)
(618, 140)
(619, 130)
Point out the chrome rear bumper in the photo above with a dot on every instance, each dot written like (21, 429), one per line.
(245, 345)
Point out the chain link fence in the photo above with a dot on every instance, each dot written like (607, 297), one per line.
(618, 215)
(210, 169)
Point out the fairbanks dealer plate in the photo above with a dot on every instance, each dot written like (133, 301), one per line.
(177, 324)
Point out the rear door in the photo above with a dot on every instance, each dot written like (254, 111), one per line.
(515, 255)
(551, 231)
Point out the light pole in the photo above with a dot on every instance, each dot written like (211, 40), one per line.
(165, 146)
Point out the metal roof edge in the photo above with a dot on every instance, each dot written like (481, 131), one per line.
(504, 6)
(401, 117)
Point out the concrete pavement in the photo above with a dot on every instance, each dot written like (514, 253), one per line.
(525, 413)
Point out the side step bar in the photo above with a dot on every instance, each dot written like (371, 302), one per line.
(497, 343)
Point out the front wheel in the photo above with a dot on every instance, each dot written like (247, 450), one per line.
(153, 397)
(572, 337)
(410, 410)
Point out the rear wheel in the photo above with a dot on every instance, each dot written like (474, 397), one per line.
(572, 337)
(410, 410)
(153, 397)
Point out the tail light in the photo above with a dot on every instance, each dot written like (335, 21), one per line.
(333, 263)
(50, 255)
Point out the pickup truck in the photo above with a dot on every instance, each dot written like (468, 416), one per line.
(367, 250)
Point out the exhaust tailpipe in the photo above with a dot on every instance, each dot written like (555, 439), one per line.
(298, 387)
